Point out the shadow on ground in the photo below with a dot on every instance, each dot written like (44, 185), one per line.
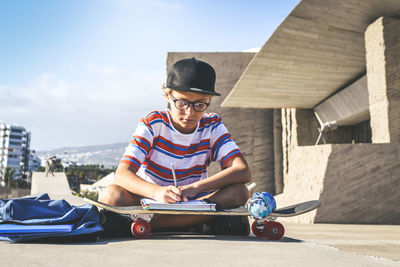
(167, 236)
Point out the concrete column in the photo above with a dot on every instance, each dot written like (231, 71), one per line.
(382, 45)
(278, 153)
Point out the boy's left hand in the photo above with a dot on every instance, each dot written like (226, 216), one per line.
(188, 191)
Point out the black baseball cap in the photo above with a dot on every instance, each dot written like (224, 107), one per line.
(192, 75)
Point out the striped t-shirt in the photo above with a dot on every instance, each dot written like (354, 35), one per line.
(156, 144)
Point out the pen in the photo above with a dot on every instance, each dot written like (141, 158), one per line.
(174, 175)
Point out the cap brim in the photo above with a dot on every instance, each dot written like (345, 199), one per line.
(194, 90)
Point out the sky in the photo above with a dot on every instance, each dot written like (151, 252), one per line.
(83, 72)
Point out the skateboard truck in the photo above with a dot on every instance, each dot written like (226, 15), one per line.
(268, 228)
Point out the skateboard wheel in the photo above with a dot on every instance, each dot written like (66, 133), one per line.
(274, 230)
(257, 232)
(140, 228)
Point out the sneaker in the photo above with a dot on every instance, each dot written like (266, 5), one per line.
(227, 225)
(114, 224)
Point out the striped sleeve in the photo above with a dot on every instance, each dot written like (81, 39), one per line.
(223, 148)
(140, 143)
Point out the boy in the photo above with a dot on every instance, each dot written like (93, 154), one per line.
(190, 139)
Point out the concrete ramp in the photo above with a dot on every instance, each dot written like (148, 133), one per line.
(56, 186)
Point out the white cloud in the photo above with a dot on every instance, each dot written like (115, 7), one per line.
(99, 86)
(252, 50)
(105, 85)
(46, 91)
(100, 105)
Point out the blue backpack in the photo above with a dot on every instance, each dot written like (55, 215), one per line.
(42, 211)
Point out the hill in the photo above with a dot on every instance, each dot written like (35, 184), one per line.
(107, 155)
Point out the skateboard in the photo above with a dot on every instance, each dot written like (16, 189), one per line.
(265, 227)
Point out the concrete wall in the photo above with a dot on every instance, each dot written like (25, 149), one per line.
(56, 187)
(356, 183)
(300, 128)
(382, 43)
(252, 129)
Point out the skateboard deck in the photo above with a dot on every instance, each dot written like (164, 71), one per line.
(288, 211)
(261, 227)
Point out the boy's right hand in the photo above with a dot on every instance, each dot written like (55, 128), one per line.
(168, 194)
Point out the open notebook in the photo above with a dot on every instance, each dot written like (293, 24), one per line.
(193, 205)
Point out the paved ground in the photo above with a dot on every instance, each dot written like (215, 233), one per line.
(374, 240)
(304, 245)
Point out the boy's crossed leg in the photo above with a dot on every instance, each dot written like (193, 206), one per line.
(230, 196)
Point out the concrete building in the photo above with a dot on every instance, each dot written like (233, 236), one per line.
(333, 63)
(316, 110)
(14, 149)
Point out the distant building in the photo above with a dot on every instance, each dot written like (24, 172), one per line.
(34, 161)
(14, 149)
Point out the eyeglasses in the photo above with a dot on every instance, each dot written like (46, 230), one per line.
(184, 104)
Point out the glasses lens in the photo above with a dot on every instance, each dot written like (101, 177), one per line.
(200, 106)
(181, 104)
